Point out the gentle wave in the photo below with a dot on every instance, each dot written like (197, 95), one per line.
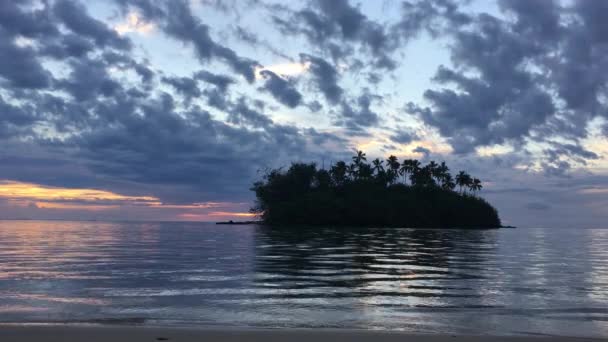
(535, 281)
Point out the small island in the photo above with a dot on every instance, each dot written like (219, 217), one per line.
(382, 194)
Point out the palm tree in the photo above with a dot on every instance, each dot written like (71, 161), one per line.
(351, 170)
(432, 166)
(475, 185)
(448, 182)
(378, 165)
(442, 172)
(463, 179)
(338, 173)
(365, 171)
(359, 158)
(422, 177)
(408, 167)
(393, 168)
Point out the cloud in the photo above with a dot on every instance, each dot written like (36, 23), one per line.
(220, 81)
(84, 107)
(336, 24)
(403, 137)
(75, 17)
(422, 150)
(284, 70)
(282, 90)
(358, 121)
(184, 85)
(15, 120)
(325, 77)
(20, 66)
(527, 77)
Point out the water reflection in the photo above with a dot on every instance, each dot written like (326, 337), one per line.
(404, 267)
(452, 281)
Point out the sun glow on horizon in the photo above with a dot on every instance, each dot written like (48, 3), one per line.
(41, 197)
(13, 190)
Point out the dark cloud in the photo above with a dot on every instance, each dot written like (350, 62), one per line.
(321, 138)
(33, 23)
(69, 45)
(159, 144)
(88, 80)
(403, 137)
(14, 119)
(220, 81)
(314, 106)
(334, 24)
(425, 151)
(281, 89)
(80, 106)
(436, 17)
(217, 99)
(184, 85)
(325, 78)
(255, 42)
(21, 66)
(178, 21)
(358, 121)
(532, 75)
(538, 19)
(75, 17)
(242, 114)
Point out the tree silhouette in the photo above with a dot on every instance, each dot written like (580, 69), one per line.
(408, 167)
(475, 185)
(463, 180)
(359, 158)
(393, 168)
(338, 173)
(369, 194)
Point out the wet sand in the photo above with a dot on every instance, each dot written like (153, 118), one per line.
(64, 333)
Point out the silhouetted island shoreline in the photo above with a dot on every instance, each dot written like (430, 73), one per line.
(239, 222)
(380, 194)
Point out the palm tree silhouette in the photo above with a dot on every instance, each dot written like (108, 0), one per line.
(423, 176)
(338, 173)
(475, 185)
(378, 165)
(442, 171)
(359, 158)
(448, 182)
(463, 179)
(351, 170)
(393, 168)
(408, 167)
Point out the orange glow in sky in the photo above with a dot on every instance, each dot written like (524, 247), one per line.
(26, 195)
(26, 191)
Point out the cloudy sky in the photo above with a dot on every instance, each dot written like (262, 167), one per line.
(168, 110)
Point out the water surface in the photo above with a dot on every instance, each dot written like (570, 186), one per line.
(508, 281)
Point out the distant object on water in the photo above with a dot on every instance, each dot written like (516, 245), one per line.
(239, 222)
(380, 194)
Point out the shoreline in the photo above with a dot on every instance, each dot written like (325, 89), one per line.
(99, 333)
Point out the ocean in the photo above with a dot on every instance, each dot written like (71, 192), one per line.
(525, 281)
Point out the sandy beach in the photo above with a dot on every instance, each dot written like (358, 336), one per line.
(62, 333)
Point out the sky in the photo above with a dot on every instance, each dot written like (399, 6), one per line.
(171, 109)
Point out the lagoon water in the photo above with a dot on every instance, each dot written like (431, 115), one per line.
(507, 282)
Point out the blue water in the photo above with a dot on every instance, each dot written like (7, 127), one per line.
(507, 282)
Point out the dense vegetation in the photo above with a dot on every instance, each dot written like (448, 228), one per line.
(382, 193)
